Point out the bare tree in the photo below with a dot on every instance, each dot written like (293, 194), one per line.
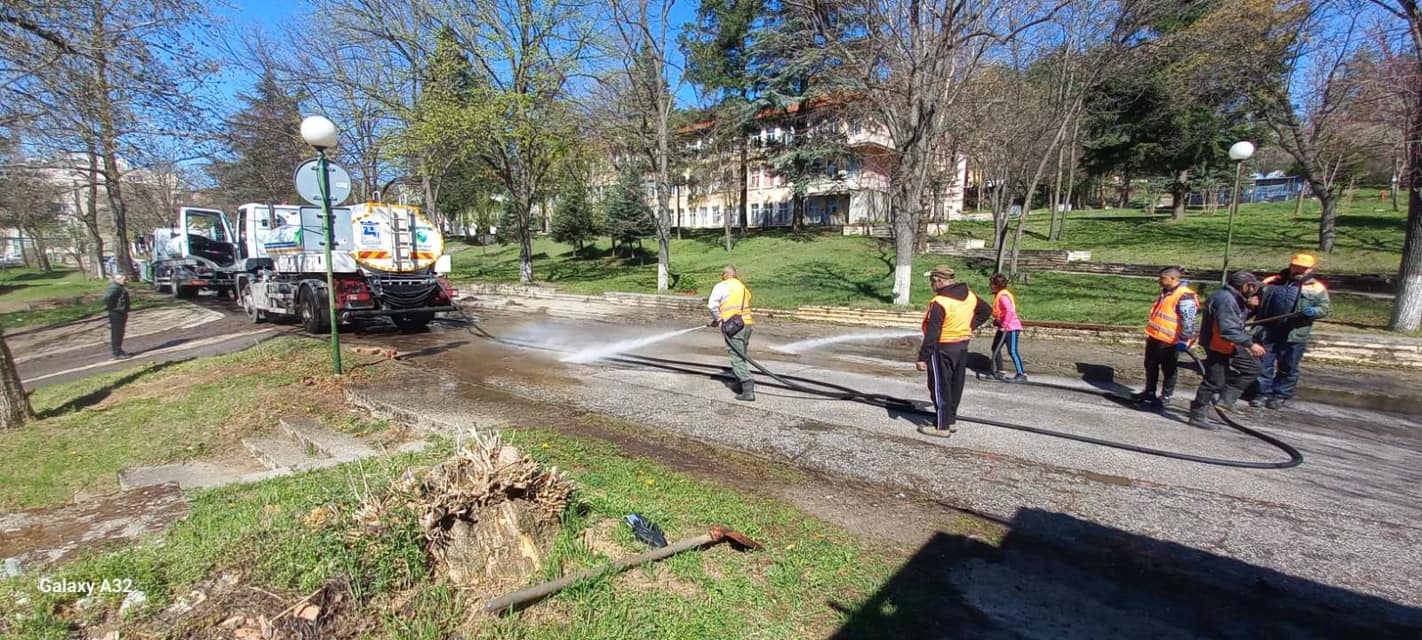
(1407, 307)
(909, 63)
(643, 40)
(1305, 105)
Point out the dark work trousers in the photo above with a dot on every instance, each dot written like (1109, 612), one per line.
(1279, 368)
(1006, 340)
(947, 369)
(1162, 363)
(118, 321)
(1227, 375)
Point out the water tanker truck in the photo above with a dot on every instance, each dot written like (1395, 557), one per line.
(197, 255)
(388, 260)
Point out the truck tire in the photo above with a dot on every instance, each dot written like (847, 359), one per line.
(249, 305)
(315, 315)
(413, 321)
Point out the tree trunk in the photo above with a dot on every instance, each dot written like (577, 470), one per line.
(1327, 219)
(797, 211)
(1298, 202)
(1056, 200)
(1179, 193)
(41, 251)
(14, 404)
(90, 219)
(1407, 307)
(744, 189)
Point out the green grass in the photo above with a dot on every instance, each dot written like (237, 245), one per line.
(90, 429)
(263, 531)
(1369, 236)
(78, 309)
(30, 297)
(822, 269)
(30, 285)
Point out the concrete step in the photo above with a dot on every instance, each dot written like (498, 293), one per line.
(192, 475)
(313, 435)
(283, 453)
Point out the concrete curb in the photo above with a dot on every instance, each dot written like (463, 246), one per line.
(1361, 350)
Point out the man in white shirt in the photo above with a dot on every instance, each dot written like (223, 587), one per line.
(730, 305)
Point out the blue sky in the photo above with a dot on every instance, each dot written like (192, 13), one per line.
(273, 14)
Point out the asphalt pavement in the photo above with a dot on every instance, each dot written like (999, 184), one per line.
(1343, 523)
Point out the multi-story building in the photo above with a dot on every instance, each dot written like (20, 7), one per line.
(852, 188)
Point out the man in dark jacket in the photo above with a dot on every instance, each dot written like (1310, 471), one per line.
(1290, 302)
(1231, 363)
(116, 303)
(948, 324)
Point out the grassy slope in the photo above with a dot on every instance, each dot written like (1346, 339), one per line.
(29, 285)
(89, 429)
(29, 297)
(266, 532)
(1369, 236)
(786, 272)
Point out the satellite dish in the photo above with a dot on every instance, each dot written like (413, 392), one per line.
(308, 182)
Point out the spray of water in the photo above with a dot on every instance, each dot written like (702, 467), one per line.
(806, 345)
(591, 354)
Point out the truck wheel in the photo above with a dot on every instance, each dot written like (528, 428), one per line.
(315, 317)
(413, 321)
(249, 305)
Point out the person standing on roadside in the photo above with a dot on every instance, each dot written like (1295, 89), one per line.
(1009, 329)
(116, 303)
(948, 324)
(1231, 360)
(1169, 332)
(730, 307)
(1289, 304)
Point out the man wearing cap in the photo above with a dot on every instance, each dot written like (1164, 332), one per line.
(730, 307)
(1230, 360)
(1290, 302)
(948, 324)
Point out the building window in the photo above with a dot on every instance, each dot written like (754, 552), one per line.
(855, 128)
(755, 214)
(784, 217)
(755, 178)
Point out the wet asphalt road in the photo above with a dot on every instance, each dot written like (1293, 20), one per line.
(1343, 526)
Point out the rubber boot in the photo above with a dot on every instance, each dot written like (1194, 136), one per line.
(1200, 417)
(1229, 399)
(747, 391)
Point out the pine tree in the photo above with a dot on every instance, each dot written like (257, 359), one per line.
(574, 220)
(265, 141)
(627, 216)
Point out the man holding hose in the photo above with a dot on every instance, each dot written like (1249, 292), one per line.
(952, 315)
(730, 305)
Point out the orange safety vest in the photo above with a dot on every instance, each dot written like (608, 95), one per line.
(737, 302)
(1220, 345)
(957, 317)
(1164, 322)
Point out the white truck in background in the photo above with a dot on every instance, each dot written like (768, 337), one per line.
(388, 260)
(199, 254)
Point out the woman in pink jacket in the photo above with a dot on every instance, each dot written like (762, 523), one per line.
(1009, 328)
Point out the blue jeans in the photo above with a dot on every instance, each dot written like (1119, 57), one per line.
(1279, 368)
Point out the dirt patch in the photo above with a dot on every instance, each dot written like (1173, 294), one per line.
(53, 535)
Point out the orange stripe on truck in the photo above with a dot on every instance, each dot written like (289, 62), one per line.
(372, 255)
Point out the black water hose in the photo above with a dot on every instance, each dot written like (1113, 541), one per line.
(902, 404)
(882, 400)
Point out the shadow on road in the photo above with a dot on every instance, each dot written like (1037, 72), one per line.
(98, 395)
(1058, 576)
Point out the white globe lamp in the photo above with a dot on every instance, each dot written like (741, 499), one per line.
(321, 133)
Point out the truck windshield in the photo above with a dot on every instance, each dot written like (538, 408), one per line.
(207, 225)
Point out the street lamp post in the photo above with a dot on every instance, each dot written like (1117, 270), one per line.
(1239, 152)
(321, 134)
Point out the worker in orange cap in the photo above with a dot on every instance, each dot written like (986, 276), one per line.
(1288, 305)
